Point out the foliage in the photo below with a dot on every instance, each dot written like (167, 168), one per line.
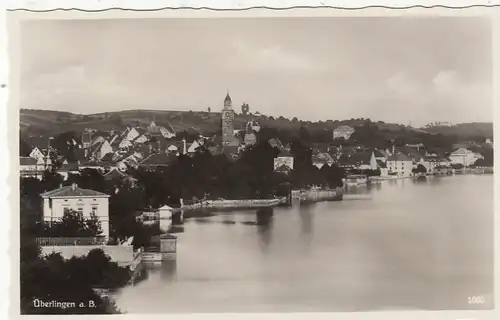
(73, 224)
(367, 172)
(53, 279)
(115, 119)
(245, 108)
(24, 148)
(487, 160)
(420, 169)
(66, 145)
(457, 166)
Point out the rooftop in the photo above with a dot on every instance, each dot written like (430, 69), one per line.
(73, 192)
(344, 128)
(461, 151)
(399, 157)
(283, 168)
(158, 159)
(27, 161)
(285, 153)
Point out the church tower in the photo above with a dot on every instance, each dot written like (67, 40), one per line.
(227, 122)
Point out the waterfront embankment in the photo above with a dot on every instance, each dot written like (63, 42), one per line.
(231, 204)
(317, 195)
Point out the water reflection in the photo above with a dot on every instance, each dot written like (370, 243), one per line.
(402, 245)
(264, 228)
(306, 219)
(176, 229)
(168, 269)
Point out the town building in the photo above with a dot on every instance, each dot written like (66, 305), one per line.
(250, 139)
(343, 132)
(400, 164)
(381, 155)
(156, 130)
(384, 171)
(68, 168)
(158, 160)
(276, 143)
(100, 149)
(321, 159)
(37, 154)
(85, 201)
(361, 160)
(194, 147)
(430, 163)
(31, 168)
(253, 125)
(86, 140)
(284, 158)
(464, 157)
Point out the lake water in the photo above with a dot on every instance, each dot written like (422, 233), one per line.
(400, 245)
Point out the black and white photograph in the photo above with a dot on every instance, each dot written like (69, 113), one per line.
(246, 164)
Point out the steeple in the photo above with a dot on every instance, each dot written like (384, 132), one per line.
(227, 101)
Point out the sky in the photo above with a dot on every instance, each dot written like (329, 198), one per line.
(391, 69)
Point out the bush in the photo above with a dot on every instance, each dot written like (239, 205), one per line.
(74, 225)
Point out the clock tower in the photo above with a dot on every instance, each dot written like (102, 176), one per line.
(227, 122)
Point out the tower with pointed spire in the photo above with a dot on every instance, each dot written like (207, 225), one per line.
(227, 121)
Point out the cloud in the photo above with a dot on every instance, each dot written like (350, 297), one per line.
(402, 84)
(74, 85)
(447, 81)
(272, 58)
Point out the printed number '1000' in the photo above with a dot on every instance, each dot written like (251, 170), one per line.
(476, 300)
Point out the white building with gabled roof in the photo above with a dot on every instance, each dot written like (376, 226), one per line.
(343, 132)
(464, 157)
(59, 201)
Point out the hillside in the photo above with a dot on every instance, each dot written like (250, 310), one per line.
(464, 130)
(44, 122)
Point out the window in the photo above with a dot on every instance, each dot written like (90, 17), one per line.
(80, 210)
(94, 210)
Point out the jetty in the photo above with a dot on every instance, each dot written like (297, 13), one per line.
(231, 204)
(316, 195)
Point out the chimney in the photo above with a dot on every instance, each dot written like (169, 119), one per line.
(73, 186)
(60, 185)
(150, 148)
(184, 149)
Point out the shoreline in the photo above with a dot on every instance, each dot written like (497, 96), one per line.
(302, 196)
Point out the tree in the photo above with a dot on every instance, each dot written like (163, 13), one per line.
(457, 166)
(420, 169)
(73, 224)
(304, 135)
(245, 108)
(115, 119)
(24, 148)
(53, 278)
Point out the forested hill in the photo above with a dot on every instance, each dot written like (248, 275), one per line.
(45, 122)
(464, 130)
